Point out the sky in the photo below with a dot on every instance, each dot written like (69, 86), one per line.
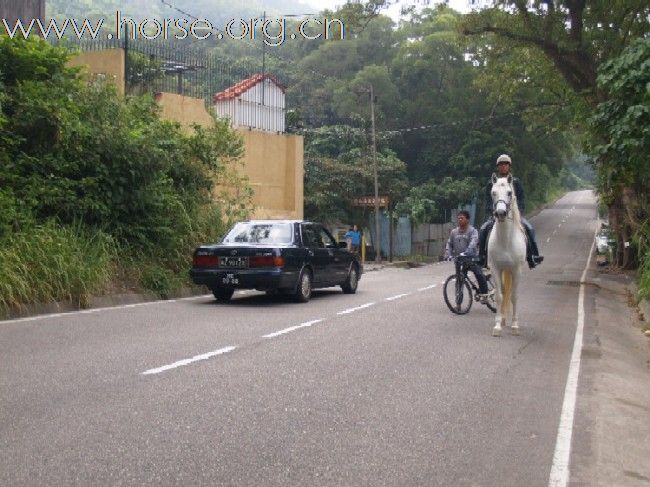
(393, 10)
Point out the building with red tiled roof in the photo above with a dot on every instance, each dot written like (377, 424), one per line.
(257, 103)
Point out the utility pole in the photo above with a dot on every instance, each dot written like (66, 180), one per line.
(374, 170)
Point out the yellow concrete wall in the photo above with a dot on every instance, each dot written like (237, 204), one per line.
(109, 63)
(272, 162)
(185, 110)
(275, 167)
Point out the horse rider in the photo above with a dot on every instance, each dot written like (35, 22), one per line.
(533, 258)
(463, 241)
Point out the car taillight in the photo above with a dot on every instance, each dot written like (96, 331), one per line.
(266, 261)
(206, 261)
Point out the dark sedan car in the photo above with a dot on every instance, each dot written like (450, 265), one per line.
(288, 256)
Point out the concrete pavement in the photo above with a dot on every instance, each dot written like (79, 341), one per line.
(611, 440)
(611, 430)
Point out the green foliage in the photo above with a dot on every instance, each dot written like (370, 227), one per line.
(84, 157)
(623, 121)
(644, 278)
(160, 280)
(431, 202)
(621, 142)
(339, 167)
(51, 262)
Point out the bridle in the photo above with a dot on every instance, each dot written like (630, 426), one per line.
(508, 205)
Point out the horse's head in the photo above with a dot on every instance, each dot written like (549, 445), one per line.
(502, 196)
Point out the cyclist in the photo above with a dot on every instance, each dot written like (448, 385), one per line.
(463, 242)
(533, 258)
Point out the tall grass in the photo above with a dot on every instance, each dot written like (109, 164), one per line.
(70, 263)
(644, 277)
(51, 262)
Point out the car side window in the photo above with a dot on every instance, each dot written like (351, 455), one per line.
(309, 236)
(326, 239)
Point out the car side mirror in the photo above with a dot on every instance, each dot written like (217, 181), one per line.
(343, 245)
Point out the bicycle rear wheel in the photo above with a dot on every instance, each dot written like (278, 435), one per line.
(458, 295)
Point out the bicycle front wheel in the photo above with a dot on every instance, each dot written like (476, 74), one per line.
(491, 303)
(458, 295)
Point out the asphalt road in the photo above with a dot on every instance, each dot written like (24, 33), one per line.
(384, 387)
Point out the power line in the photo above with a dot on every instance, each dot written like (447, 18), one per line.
(390, 133)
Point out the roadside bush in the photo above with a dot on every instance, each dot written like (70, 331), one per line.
(80, 155)
(160, 280)
(52, 262)
(644, 278)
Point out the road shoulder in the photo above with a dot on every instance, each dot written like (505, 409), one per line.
(611, 432)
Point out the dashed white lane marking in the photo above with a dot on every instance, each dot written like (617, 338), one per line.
(559, 225)
(554, 231)
(292, 328)
(393, 298)
(559, 476)
(429, 287)
(97, 310)
(549, 238)
(352, 310)
(187, 361)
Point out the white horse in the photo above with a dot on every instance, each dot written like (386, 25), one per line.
(506, 250)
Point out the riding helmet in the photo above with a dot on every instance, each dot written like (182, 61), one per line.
(504, 158)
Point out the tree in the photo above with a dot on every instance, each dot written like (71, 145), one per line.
(78, 152)
(577, 37)
(338, 168)
(621, 128)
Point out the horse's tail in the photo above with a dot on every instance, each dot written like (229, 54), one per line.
(506, 303)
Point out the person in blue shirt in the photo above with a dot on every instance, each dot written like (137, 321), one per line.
(355, 238)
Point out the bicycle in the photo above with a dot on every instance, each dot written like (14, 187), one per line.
(464, 290)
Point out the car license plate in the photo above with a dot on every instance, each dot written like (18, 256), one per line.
(232, 279)
(234, 262)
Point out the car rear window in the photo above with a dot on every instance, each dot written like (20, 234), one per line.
(262, 233)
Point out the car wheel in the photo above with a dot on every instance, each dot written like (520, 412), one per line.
(223, 294)
(352, 281)
(303, 290)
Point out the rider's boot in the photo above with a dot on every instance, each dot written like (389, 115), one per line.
(482, 243)
(532, 253)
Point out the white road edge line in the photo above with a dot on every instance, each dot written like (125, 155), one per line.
(187, 361)
(429, 287)
(559, 476)
(291, 328)
(97, 310)
(352, 310)
(393, 298)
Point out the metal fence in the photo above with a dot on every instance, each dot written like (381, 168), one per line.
(182, 67)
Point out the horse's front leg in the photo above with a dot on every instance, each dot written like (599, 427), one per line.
(515, 320)
(498, 298)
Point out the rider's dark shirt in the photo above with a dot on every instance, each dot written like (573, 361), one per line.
(519, 194)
